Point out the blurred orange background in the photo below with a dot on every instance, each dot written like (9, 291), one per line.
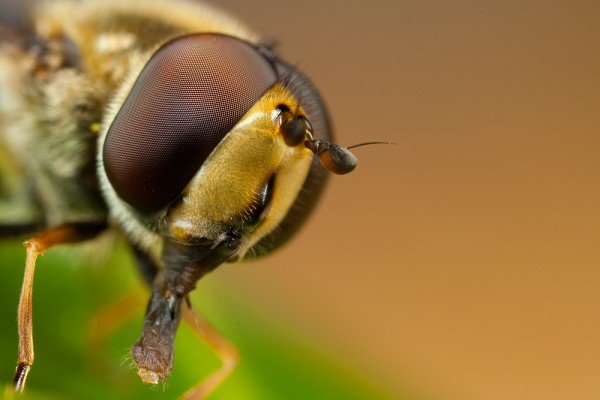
(465, 261)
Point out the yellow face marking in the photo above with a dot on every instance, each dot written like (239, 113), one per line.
(230, 180)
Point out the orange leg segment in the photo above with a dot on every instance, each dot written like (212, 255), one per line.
(35, 246)
(226, 351)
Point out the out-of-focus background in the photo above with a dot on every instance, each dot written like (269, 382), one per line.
(463, 263)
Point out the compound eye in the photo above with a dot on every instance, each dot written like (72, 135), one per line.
(189, 95)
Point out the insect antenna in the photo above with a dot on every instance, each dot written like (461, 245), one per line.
(335, 158)
(368, 144)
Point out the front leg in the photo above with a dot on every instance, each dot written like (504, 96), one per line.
(9, 231)
(222, 347)
(71, 233)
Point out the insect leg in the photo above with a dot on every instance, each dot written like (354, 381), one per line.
(35, 246)
(108, 320)
(18, 229)
(111, 317)
(224, 349)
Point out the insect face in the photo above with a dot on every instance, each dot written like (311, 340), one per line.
(204, 159)
(201, 149)
(248, 183)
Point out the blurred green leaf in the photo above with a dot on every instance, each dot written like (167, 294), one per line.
(67, 294)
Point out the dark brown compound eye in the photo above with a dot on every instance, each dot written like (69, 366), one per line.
(189, 95)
